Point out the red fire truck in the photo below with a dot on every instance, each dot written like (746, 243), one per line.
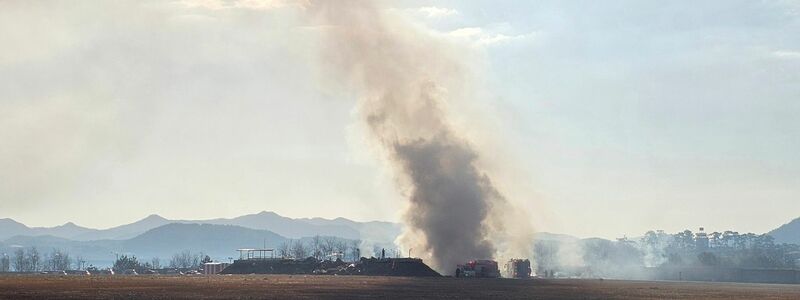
(478, 269)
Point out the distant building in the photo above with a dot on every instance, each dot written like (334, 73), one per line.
(701, 240)
(214, 267)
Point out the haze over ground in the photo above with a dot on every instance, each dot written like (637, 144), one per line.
(618, 117)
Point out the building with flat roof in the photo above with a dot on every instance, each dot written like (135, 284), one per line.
(214, 267)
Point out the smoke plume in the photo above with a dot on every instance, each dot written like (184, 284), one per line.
(403, 77)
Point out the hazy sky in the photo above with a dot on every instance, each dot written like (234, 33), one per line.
(619, 116)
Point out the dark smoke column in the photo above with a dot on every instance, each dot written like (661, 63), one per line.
(402, 77)
(450, 199)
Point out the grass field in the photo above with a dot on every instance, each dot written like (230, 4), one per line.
(362, 287)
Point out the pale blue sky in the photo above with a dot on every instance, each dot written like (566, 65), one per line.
(624, 116)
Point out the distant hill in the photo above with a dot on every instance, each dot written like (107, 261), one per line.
(96, 252)
(155, 236)
(788, 233)
(68, 230)
(288, 227)
(379, 232)
(216, 240)
(125, 231)
(376, 231)
(9, 228)
(39, 241)
(546, 236)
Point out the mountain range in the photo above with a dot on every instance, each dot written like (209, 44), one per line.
(788, 233)
(218, 241)
(284, 226)
(155, 236)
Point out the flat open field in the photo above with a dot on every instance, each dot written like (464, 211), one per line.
(355, 287)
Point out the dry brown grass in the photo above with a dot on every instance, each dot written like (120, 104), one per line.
(356, 287)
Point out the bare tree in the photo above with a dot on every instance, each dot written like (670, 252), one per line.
(355, 251)
(340, 248)
(57, 260)
(316, 244)
(65, 261)
(155, 263)
(5, 263)
(299, 250)
(33, 260)
(195, 259)
(184, 260)
(328, 246)
(284, 249)
(175, 261)
(20, 261)
(80, 263)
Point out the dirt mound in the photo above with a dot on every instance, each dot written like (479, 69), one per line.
(272, 266)
(412, 267)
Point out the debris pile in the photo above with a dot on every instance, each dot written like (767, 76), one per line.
(272, 266)
(412, 267)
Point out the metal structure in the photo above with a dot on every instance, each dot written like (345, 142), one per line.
(701, 240)
(256, 254)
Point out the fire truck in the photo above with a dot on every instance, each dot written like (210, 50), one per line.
(518, 268)
(478, 269)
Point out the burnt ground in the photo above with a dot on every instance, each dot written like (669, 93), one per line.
(363, 287)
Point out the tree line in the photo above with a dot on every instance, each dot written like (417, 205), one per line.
(181, 260)
(625, 257)
(728, 249)
(320, 248)
(31, 260)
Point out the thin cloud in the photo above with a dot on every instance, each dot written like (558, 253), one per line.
(501, 38)
(466, 32)
(786, 54)
(246, 4)
(480, 37)
(437, 12)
